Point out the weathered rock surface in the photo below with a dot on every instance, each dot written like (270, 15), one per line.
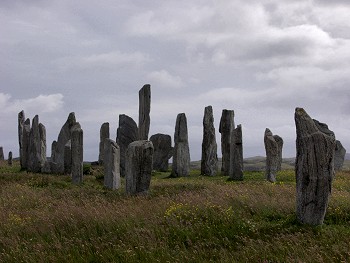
(21, 120)
(236, 154)
(37, 146)
(273, 155)
(77, 154)
(279, 142)
(162, 151)
(139, 159)
(209, 160)
(63, 137)
(227, 126)
(127, 133)
(314, 168)
(104, 134)
(9, 159)
(68, 157)
(25, 144)
(111, 164)
(2, 158)
(339, 157)
(181, 157)
(144, 112)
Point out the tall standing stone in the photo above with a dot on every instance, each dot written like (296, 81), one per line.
(25, 144)
(21, 120)
(236, 154)
(9, 159)
(2, 158)
(37, 146)
(63, 137)
(111, 163)
(272, 156)
(127, 133)
(77, 154)
(339, 157)
(181, 157)
(227, 126)
(209, 161)
(139, 159)
(162, 151)
(104, 134)
(42, 132)
(279, 142)
(314, 168)
(144, 111)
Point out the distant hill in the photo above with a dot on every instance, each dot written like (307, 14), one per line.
(258, 163)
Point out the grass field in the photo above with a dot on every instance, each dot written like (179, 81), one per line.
(44, 218)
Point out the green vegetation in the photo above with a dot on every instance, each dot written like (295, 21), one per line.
(44, 218)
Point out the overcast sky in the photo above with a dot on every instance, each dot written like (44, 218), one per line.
(259, 58)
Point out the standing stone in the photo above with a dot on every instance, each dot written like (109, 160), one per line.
(227, 126)
(21, 120)
(111, 164)
(162, 151)
(181, 158)
(37, 146)
(209, 161)
(2, 158)
(314, 168)
(9, 159)
(236, 154)
(25, 144)
(127, 133)
(279, 142)
(104, 134)
(339, 157)
(64, 136)
(77, 154)
(144, 111)
(272, 156)
(139, 159)
(68, 157)
(42, 132)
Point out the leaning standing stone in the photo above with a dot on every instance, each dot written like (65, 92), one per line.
(209, 161)
(181, 158)
(77, 155)
(236, 154)
(314, 168)
(104, 134)
(9, 159)
(144, 111)
(111, 164)
(162, 151)
(139, 158)
(227, 126)
(127, 133)
(339, 156)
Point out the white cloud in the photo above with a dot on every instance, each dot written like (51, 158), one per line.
(103, 61)
(39, 104)
(162, 79)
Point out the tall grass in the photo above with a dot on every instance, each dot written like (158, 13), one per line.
(44, 218)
